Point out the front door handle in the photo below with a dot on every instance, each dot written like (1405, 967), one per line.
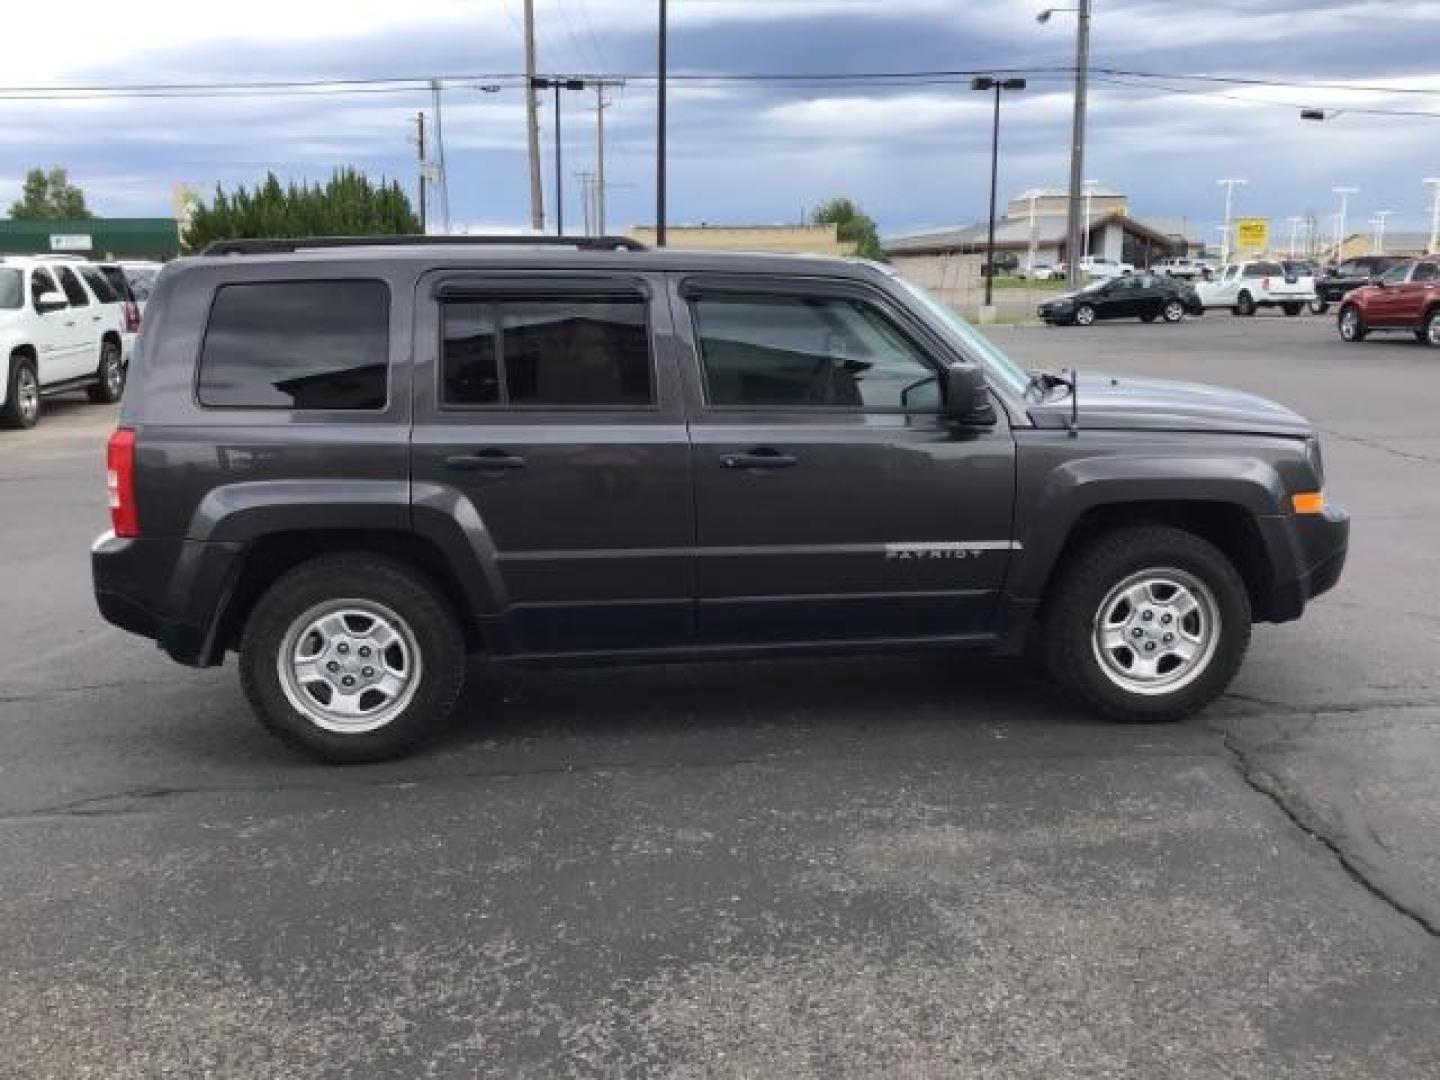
(762, 457)
(484, 460)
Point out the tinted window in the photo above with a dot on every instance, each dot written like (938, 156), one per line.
(103, 290)
(74, 291)
(1264, 269)
(12, 289)
(808, 352)
(115, 277)
(297, 345)
(41, 281)
(547, 352)
(1396, 275)
(1423, 272)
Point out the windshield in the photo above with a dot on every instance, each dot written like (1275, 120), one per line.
(998, 366)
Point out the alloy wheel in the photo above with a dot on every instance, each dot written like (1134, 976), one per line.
(1349, 324)
(1432, 328)
(1174, 312)
(1156, 631)
(27, 394)
(350, 666)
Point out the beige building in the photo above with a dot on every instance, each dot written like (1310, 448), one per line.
(1396, 243)
(789, 239)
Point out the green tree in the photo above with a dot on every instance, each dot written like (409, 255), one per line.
(49, 195)
(855, 226)
(348, 204)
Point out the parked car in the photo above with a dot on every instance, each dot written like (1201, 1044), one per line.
(1245, 287)
(1340, 281)
(110, 286)
(1406, 297)
(1133, 296)
(356, 464)
(1183, 268)
(1042, 272)
(1098, 266)
(55, 336)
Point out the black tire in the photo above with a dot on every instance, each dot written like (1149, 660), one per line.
(1085, 583)
(1319, 307)
(109, 376)
(1351, 324)
(22, 394)
(1292, 309)
(1173, 311)
(1084, 315)
(1147, 318)
(1429, 330)
(438, 669)
(1244, 305)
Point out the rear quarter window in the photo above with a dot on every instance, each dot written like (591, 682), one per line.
(297, 345)
(1264, 269)
(102, 288)
(12, 289)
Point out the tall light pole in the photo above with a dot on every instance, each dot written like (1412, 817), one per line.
(1077, 134)
(1229, 185)
(662, 60)
(1344, 193)
(444, 177)
(986, 82)
(557, 85)
(532, 123)
(1379, 222)
(1294, 232)
(1433, 248)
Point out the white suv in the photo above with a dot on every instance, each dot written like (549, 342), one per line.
(55, 335)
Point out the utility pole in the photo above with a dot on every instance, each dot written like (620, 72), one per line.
(444, 179)
(1294, 232)
(660, 132)
(1089, 186)
(1433, 248)
(601, 104)
(532, 123)
(586, 180)
(992, 83)
(1229, 186)
(1077, 140)
(424, 167)
(1344, 193)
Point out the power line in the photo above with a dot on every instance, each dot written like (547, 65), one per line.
(1240, 80)
(1289, 106)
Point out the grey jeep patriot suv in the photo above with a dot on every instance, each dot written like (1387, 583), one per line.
(356, 462)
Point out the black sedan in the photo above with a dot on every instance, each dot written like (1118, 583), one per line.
(1134, 296)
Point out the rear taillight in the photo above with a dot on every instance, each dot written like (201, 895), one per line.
(120, 483)
(132, 317)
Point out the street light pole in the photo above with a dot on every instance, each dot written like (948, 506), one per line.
(991, 83)
(558, 84)
(1344, 193)
(1229, 185)
(1379, 219)
(660, 130)
(1433, 248)
(1089, 195)
(1294, 232)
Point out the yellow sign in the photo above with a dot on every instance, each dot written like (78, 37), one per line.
(1252, 233)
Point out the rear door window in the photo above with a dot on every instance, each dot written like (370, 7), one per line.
(547, 352)
(41, 281)
(297, 345)
(103, 290)
(1426, 272)
(74, 291)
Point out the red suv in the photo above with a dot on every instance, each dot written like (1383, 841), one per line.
(1406, 297)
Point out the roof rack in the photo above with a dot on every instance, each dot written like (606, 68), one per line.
(278, 246)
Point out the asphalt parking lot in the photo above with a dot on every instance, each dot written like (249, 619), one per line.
(919, 866)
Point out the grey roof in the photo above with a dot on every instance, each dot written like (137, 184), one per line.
(1009, 232)
(1397, 242)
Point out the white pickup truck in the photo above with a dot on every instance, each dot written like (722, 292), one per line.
(1245, 287)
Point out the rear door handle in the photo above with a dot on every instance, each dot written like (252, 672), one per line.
(484, 460)
(762, 457)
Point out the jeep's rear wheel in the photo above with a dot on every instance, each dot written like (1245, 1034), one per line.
(22, 394)
(1352, 326)
(1148, 623)
(352, 658)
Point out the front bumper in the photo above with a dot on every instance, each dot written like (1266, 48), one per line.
(1319, 543)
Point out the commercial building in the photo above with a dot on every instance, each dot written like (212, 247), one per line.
(1033, 228)
(1396, 243)
(98, 238)
(787, 239)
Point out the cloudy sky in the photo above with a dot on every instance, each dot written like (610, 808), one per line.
(914, 155)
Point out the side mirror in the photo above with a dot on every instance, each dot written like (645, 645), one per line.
(967, 401)
(47, 300)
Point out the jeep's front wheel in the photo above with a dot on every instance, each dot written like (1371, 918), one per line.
(352, 658)
(1148, 623)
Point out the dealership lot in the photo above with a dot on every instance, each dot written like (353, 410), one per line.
(921, 865)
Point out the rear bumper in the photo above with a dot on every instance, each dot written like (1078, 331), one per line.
(1320, 543)
(169, 590)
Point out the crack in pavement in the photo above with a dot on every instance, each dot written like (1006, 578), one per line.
(1375, 444)
(1417, 909)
